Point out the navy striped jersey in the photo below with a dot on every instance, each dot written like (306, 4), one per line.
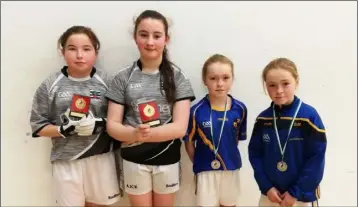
(131, 86)
(200, 132)
(304, 153)
(54, 97)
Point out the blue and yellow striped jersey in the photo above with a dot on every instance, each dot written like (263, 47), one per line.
(199, 131)
(304, 154)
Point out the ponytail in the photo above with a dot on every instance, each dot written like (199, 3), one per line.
(167, 78)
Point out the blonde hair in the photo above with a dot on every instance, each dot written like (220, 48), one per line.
(214, 59)
(280, 63)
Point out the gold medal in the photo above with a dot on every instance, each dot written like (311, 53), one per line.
(149, 110)
(80, 103)
(282, 166)
(215, 164)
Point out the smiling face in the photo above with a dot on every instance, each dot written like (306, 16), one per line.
(151, 38)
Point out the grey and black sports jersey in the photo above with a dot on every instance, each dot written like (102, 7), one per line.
(54, 97)
(131, 86)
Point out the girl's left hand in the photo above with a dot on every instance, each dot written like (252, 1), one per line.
(287, 200)
(142, 132)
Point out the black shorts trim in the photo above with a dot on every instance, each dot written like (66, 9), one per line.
(142, 153)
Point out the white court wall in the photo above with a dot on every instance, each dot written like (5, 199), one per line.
(321, 37)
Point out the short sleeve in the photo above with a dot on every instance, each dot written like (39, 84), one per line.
(116, 90)
(243, 125)
(40, 110)
(107, 77)
(191, 131)
(184, 89)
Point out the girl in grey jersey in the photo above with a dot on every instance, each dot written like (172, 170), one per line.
(149, 111)
(84, 170)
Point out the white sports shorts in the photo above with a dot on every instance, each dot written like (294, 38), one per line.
(92, 179)
(140, 179)
(218, 187)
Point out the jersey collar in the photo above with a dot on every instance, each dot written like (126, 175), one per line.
(65, 73)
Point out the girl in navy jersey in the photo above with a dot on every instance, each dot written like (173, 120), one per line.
(288, 144)
(149, 111)
(217, 123)
(70, 108)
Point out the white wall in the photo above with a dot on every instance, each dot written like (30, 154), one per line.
(319, 36)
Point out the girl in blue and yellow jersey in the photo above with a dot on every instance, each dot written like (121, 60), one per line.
(217, 123)
(288, 144)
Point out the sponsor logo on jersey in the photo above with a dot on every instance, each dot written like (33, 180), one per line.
(297, 124)
(296, 139)
(163, 108)
(220, 119)
(267, 123)
(135, 85)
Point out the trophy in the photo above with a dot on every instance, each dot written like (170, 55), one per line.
(149, 112)
(79, 106)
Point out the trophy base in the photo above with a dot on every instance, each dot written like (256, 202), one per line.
(76, 115)
(153, 123)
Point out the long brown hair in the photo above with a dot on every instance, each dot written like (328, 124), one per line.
(166, 69)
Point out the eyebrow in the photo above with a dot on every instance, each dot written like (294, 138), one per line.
(83, 46)
(220, 75)
(272, 82)
(144, 31)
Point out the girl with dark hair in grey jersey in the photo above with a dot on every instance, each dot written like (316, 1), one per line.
(149, 105)
(70, 108)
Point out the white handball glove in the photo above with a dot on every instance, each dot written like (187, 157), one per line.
(68, 126)
(89, 125)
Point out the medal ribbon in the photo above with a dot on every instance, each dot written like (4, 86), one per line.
(289, 130)
(221, 131)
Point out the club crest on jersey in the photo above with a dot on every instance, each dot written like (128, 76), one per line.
(236, 123)
(95, 94)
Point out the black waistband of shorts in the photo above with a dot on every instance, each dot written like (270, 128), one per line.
(163, 153)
